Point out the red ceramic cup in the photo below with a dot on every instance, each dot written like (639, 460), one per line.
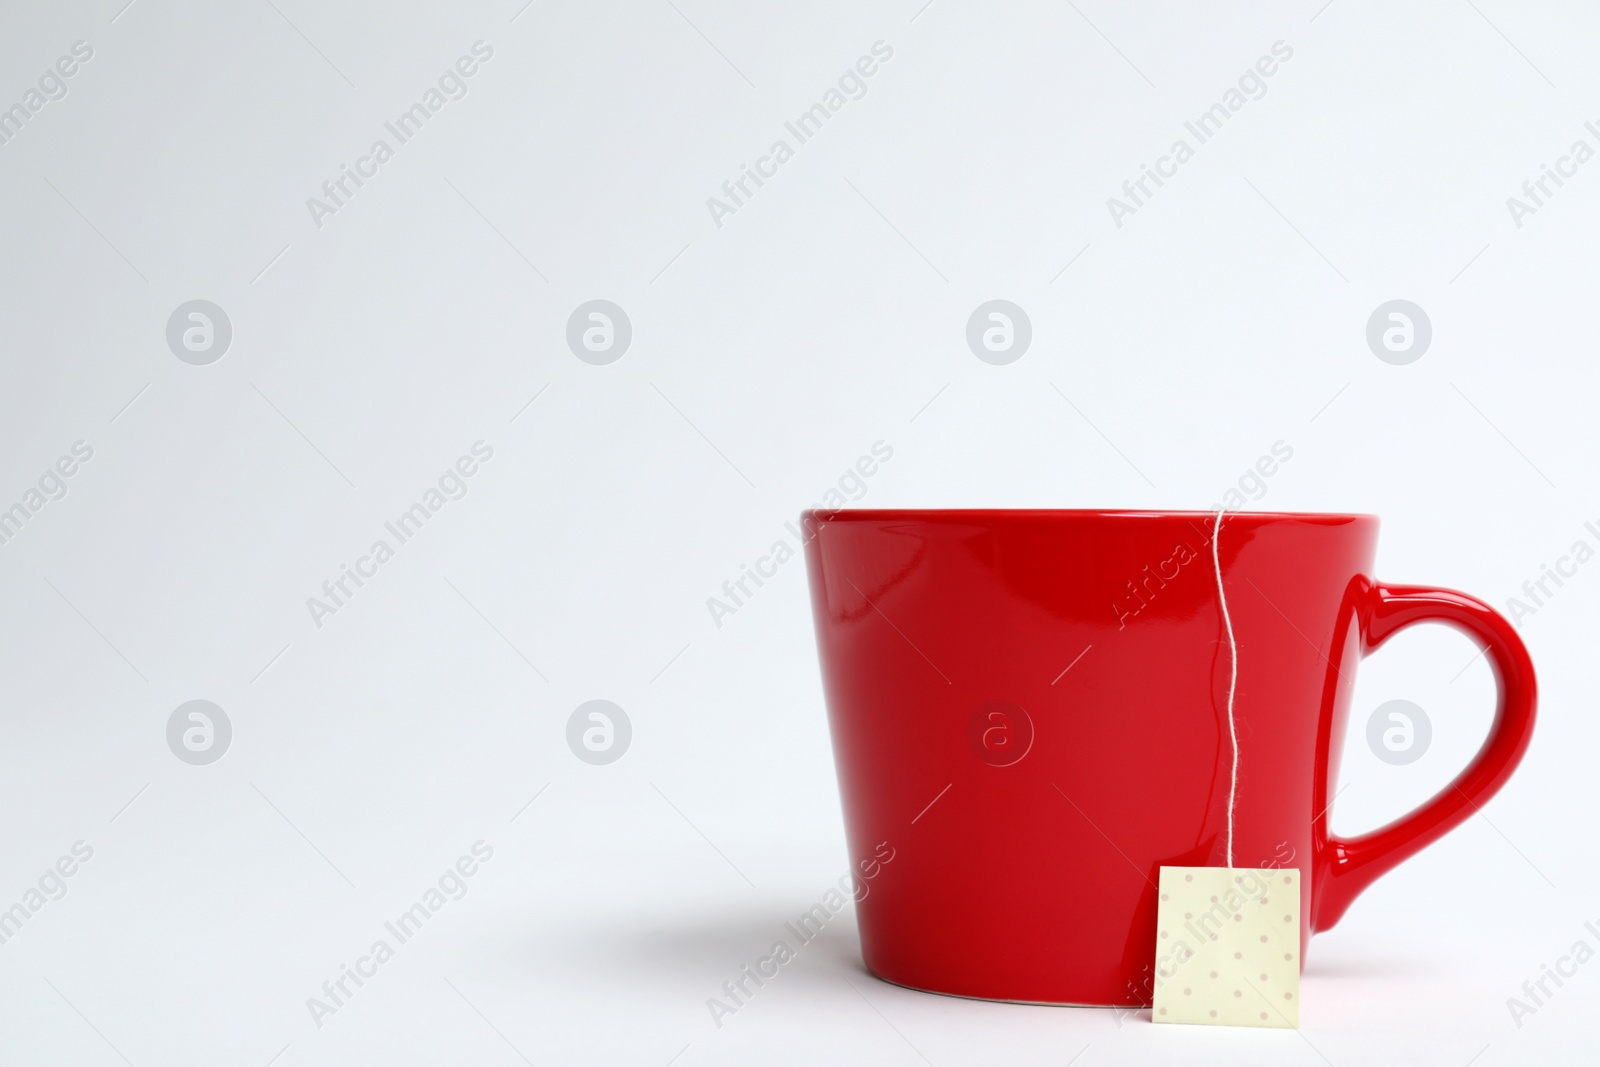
(1031, 708)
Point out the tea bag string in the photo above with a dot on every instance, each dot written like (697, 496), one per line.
(1233, 679)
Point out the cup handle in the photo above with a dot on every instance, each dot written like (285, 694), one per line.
(1343, 867)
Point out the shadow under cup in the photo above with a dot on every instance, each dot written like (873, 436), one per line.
(1030, 708)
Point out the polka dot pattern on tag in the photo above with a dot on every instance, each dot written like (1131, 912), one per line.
(1223, 942)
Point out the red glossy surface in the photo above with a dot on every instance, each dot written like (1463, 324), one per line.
(1030, 708)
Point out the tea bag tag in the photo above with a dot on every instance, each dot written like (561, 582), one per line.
(1228, 947)
(1228, 938)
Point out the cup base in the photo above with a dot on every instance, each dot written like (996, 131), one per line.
(1002, 1000)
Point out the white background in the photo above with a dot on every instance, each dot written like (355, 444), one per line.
(768, 354)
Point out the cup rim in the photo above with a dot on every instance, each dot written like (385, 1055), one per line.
(905, 514)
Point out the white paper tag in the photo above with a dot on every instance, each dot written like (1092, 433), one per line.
(1228, 947)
